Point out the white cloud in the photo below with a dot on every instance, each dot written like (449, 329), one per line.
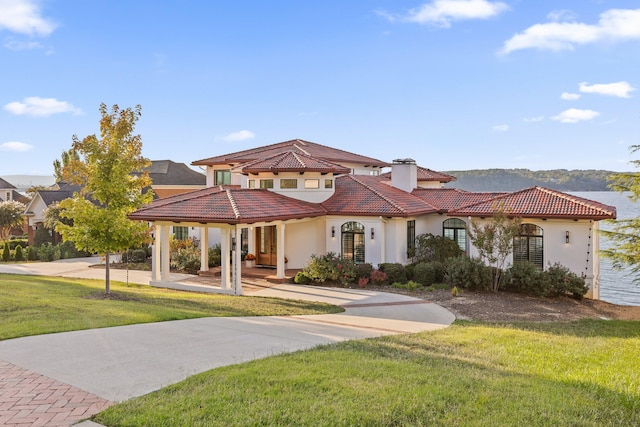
(501, 128)
(570, 96)
(614, 25)
(443, 12)
(619, 89)
(40, 107)
(242, 135)
(12, 44)
(23, 16)
(533, 119)
(15, 146)
(574, 115)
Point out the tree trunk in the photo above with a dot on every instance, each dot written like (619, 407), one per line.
(106, 278)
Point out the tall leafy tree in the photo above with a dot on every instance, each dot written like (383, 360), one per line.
(11, 216)
(494, 241)
(625, 233)
(109, 169)
(59, 164)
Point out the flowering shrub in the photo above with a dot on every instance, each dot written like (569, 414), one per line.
(330, 268)
(378, 277)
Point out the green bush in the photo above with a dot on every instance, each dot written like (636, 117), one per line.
(31, 253)
(429, 273)
(186, 259)
(134, 255)
(43, 235)
(215, 255)
(6, 252)
(378, 277)
(14, 242)
(48, 252)
(364, 271)
(468, 273)
(302, 278)
(395, 272)
(410, 285)
(524, 277)
(435, 248)
(19, 256)
(558, 280)
(331, 268)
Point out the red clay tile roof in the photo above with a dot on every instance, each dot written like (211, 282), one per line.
(228, 206)
(365, 195)
(319, 151)
(445, 199)
(425, 174)
(291, 161)
(539, 202)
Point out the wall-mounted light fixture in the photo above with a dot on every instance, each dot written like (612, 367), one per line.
(566, 236)
(333, 231)
(372, 233)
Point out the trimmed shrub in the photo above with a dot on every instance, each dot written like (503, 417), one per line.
(468, 273)
(15, 242)
(6, 252)
(48, 252)
(524, 277)
(364, 271)
(19, 256)
(558, 280)
(331, 268)
(378, 277)
(429, 273)
(134, 255)
(395, 272)
(435, 248)
(302, 278)
(410, 285)
(31, 253)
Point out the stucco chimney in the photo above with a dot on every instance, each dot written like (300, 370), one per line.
(404, 174)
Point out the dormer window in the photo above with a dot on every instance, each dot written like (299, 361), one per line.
(222, 177)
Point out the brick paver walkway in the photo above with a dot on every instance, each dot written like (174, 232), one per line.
(31, 399)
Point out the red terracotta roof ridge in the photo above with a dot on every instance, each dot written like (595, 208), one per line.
(300, 148)
(382, 196)
(299, 159)
(233, 203)
(573, 199)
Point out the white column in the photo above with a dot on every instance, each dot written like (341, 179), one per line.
(165, 266)
(237, 260)
(225, 261)
(280, 265)
(594, 291)
(204, 248)
(155, 255)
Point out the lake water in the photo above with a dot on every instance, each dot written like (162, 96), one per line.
(616, 286)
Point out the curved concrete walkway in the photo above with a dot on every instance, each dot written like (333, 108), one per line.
(115, 364)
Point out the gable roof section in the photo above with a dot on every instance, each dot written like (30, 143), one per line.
(167, 172)
(313, 149)
(539, 202)
(364, 195)
(425, 175)
(291, 161)
(229, 206)
(6, 185)
(446, 199)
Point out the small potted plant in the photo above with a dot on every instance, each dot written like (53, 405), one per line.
(250, 260)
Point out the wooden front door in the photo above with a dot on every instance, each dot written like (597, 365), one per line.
(267, 245)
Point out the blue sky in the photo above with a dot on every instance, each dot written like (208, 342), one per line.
(454, 84)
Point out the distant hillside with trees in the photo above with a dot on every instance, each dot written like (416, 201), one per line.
(517, 179)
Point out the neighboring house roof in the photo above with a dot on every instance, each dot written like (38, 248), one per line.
(425, 175)
(167, 172)
(539, 202)
(445, 199)
(6, 185)
(364, 195)
(228, 205)
(291, 161)
(313, 149)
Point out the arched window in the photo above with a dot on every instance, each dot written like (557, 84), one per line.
(456, 229)
(528, 246)
(353, 242)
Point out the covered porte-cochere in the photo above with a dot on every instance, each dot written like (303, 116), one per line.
(230, 210)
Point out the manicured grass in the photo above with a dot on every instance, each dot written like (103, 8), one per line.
(33, 305)
(583, 373)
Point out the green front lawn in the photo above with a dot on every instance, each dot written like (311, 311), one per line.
(33, 305)
(583, 373)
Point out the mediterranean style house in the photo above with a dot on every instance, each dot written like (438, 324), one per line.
(287, 201)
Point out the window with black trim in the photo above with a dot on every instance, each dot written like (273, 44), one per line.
(411, 238)
(529, 245)
(353, 241)
(181, 233)
(456, 230)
